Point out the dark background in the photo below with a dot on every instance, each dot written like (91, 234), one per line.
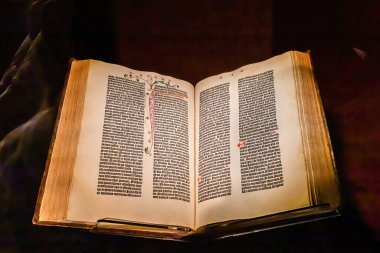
(192, 40)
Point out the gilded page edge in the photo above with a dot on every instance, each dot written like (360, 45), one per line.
(68, 121)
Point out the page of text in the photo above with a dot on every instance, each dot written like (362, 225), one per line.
(249, 154)
(135, 152)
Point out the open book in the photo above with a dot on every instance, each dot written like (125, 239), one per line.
(145, 154)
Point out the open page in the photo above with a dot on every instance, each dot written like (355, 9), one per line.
(135, 152)
(249, 154)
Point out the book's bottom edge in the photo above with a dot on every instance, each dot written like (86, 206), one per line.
(212, 231)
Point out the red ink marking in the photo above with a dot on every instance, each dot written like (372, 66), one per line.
(151, 113)
(199, 179)
(167, 94)
(242, 144)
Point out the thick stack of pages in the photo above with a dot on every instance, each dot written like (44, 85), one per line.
(144, 154)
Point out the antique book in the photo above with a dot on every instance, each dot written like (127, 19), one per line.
(144, 154)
